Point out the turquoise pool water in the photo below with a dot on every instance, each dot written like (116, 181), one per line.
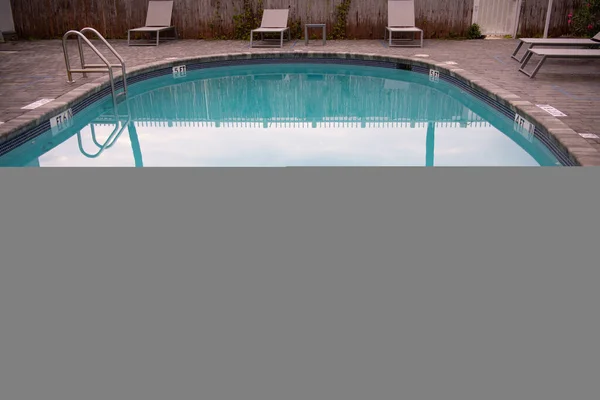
(287, 115)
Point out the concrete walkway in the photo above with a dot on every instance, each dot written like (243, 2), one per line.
(30, 71)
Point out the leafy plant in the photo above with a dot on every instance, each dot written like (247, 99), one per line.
(216, 22)
(586, 19)
(341, 16)
(247, 20)
(474, 32)
(296, 29)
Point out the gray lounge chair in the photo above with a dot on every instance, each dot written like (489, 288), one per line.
(273, 21)
(401, 18)
(553, 42)
(555, 53)
(158, 20)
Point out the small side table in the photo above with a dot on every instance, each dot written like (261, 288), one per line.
(313, 26)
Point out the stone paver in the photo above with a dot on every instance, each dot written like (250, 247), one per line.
(32, 70)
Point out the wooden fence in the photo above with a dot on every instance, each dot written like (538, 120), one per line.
(533, 17)
(196, 19)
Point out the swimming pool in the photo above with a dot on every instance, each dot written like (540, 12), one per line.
(286, 114)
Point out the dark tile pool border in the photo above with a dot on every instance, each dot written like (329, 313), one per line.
(563, 142)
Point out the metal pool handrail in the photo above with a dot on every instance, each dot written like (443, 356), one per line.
(121, 60)
(83, 69)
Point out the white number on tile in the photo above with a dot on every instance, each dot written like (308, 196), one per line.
(179, 71)
(434, 76)
(524, 127)
(61, 121)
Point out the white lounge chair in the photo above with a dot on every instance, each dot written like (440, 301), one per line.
(401, 18)
(273, 21)
(555, 53)
(158, 20)
(554, 42)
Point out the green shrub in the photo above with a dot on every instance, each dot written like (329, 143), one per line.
(247, 20)
(474, 32)
(339, 28)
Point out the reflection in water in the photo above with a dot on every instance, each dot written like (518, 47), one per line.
(109, 142)
(135, 145)
(430, 144)
(300, 100)
(259, 118)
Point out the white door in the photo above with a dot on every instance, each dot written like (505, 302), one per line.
(496, 17)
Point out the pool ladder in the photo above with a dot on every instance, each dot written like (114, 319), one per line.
(95, 68)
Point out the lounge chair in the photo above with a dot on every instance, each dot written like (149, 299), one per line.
(158, 20)
(273, 21)
(532, 42)
(555, 53)
(401, 18)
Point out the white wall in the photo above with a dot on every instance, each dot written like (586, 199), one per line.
(6, 17)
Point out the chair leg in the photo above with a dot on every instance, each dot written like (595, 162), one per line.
(514, 54)
(526, 51)
(157, 37)
(128, 37)
(421, 38)
(526, 61)
(537, 68)
(251, 32)
(281, 39)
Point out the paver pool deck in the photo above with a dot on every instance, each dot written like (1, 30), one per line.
(33, 70)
